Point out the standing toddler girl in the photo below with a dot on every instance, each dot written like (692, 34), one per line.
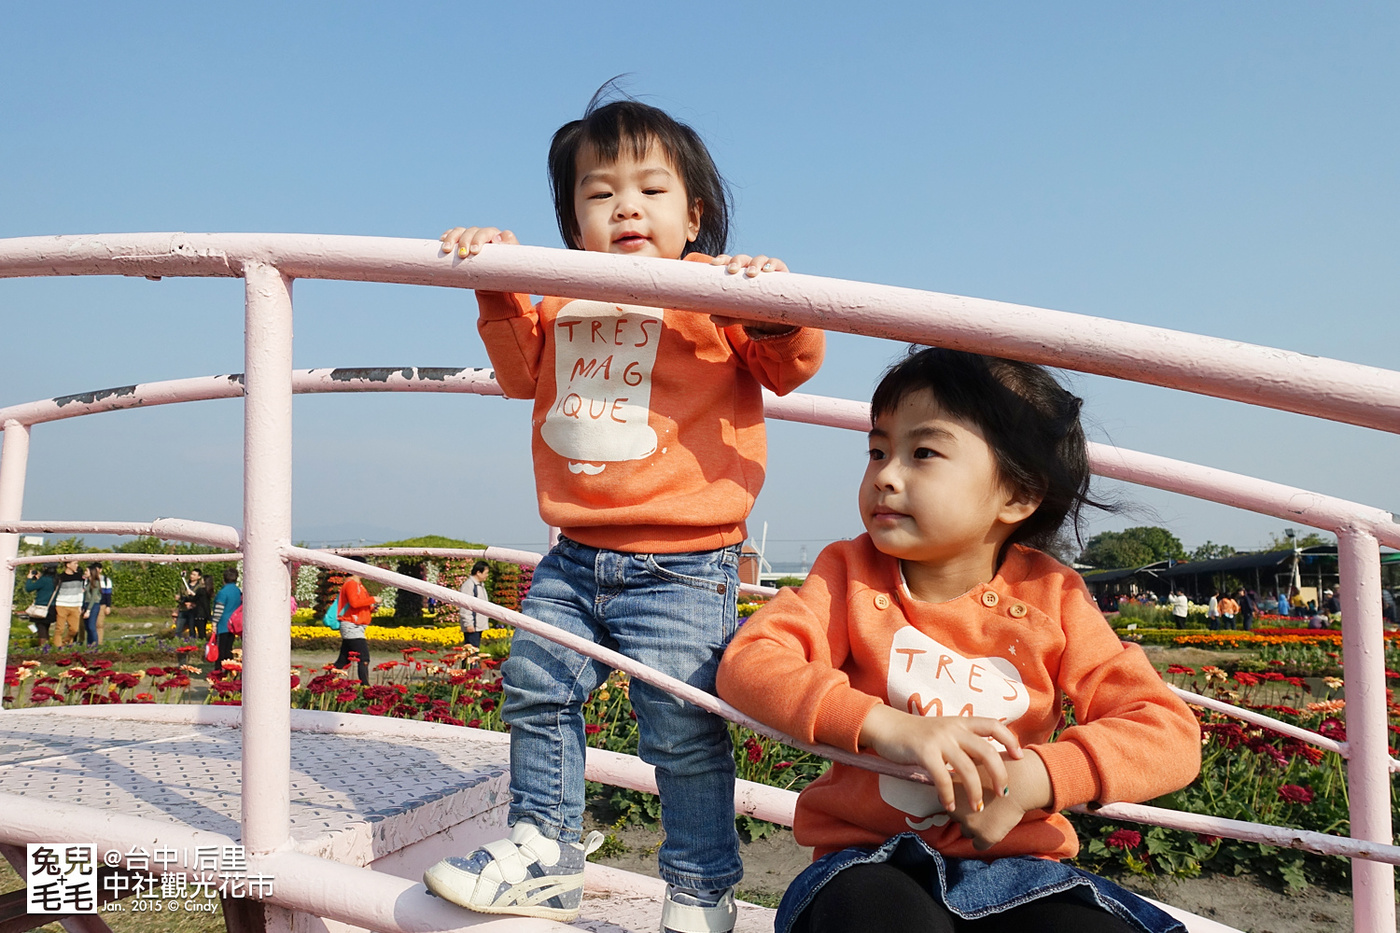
(649, 449)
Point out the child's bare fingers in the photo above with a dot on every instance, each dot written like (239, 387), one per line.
(480, 236)
(737, 262)
(451, 237)
(473, 238)
(947, 790)
(996, 729)
(991, 769)
(760, 264)
(720, 260)
(1007, 738)
(968, 775)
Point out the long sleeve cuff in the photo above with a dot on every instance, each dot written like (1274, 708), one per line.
(501, 306)
(1073, 778)
(840, 716)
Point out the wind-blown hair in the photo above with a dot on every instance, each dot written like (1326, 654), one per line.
(607, 129)
(1029, 420)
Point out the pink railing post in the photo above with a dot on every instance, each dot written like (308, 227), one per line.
(14, 460)
(267, 528)
(1368, 764)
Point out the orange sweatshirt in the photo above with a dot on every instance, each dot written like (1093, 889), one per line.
(648, 422)
(356, 605)
(813, 662)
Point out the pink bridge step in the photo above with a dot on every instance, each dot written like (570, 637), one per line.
(385, 794)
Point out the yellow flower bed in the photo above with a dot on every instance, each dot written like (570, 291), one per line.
(419, 635)
(307, 636)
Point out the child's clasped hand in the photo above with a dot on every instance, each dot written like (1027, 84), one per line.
(953, 749)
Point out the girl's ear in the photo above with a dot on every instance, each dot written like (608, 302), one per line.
(1020, 505)
(697, 210)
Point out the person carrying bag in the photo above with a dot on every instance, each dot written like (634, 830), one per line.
(44, 585)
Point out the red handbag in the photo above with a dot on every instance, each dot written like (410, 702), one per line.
(211, 650)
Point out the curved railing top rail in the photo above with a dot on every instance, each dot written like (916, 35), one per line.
(1347, 392)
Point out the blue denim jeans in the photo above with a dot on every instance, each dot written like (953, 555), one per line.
(973, 889)
(673, 612)
(90, 616)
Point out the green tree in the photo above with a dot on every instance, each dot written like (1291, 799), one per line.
(1280, 542)
(1131, 547)
(1210, 550)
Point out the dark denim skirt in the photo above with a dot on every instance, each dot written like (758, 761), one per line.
(971, 888)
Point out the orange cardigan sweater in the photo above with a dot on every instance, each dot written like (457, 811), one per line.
(648, 422)
(814, 661)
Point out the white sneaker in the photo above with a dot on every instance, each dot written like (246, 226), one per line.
(694, 912)
(526, 874)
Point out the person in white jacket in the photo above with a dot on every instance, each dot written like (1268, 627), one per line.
(474, 623)
(1180, 608)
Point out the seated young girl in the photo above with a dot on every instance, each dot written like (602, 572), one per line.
(943, 639)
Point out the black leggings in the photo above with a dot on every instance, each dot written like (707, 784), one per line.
(882, 897)
(360, 646)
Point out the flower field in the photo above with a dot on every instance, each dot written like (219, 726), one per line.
(1248, 773)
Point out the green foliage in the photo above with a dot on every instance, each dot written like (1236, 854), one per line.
(1281, 542)
(432, 541)
(1158, 616)
(1247, 774)
(138, 584)
(1131, 547)
(1210, 551)
(752, 829)
(793, 582)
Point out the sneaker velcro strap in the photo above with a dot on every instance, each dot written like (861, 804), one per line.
(507, 860)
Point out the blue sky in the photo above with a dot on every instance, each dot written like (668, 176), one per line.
(1227, 169)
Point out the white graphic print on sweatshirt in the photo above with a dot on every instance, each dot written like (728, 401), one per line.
(927, 678)
(604, 355)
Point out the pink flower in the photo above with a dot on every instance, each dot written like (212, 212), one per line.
(1294, 793)
(1124, 839)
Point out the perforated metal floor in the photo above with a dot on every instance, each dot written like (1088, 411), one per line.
(346, 790)
(354, 797)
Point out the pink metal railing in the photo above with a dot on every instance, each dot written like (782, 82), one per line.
(269, 263)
